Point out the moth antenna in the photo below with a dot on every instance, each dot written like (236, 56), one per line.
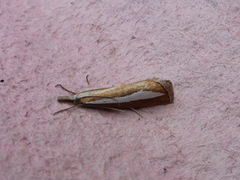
(67, 109)
(59, 85)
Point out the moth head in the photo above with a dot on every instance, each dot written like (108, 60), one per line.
(77, 100)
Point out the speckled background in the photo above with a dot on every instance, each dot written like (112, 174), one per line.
(193, 43)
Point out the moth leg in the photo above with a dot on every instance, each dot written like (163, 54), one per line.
(87, 80)
(59, 85)
(67, 109)
(115, 109)
(134, 110)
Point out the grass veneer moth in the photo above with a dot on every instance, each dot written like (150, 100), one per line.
(141, 94)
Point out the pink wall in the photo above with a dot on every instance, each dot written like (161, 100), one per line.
(193, 43)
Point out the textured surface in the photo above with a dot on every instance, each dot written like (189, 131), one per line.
(193, 43)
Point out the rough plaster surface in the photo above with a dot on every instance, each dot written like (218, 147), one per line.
(194, 43)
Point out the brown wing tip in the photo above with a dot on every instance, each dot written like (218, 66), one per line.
(168, 87)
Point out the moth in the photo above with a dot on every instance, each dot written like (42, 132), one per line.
(140, 94)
